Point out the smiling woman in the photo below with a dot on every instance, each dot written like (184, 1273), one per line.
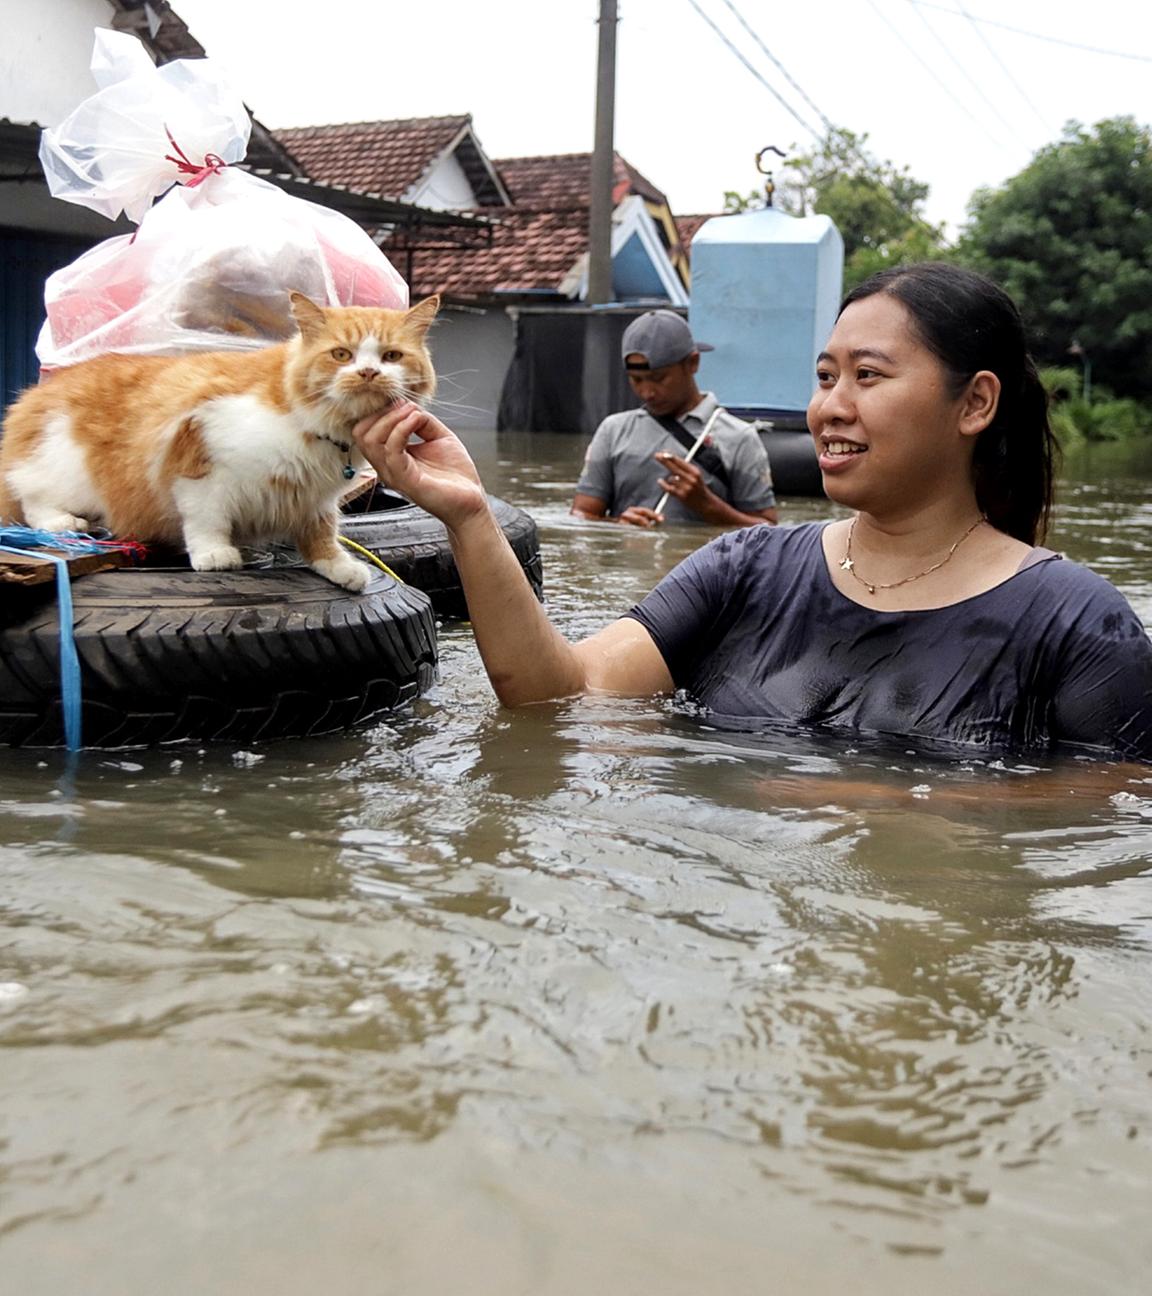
(932, 612)
(931, 344)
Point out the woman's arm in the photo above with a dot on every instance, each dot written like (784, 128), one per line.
(526, 658)
(1098, 663)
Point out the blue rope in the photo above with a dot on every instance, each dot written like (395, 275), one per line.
(69, 660)
(19, 540)
(74, 542)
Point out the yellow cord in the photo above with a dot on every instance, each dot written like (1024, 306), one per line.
(367, 553)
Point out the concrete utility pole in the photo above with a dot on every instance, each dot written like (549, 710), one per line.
(600, 213)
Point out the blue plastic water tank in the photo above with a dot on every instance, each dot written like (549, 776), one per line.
(765, 290)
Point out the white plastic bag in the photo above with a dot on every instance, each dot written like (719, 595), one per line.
(114, 152)
(212, 263)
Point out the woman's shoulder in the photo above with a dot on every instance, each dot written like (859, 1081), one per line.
(1057, 573)
(1085, 602)
(751, 555)
(784, 537)
(765, 545)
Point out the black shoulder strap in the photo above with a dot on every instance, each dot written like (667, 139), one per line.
(708, 457)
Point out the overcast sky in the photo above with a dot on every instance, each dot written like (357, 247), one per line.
(937, 86)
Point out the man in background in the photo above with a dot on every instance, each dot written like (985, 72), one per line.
(638, 454)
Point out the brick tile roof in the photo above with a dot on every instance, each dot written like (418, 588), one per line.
(560, 180)
(535, 241)
(530, 251)
(687, 226)
(382, 157)
(638, 183)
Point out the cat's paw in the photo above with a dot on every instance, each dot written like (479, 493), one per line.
(51, 521)
(346, 572)
(218, 558)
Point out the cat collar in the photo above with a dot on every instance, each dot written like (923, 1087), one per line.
(345, 448)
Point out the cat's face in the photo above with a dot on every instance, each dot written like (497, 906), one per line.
(357, 360)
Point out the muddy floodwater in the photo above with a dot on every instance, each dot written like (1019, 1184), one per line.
(585, 999)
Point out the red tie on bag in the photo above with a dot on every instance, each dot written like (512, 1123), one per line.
(184, 164)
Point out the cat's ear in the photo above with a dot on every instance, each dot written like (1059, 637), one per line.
(421, 315)
(307, 314)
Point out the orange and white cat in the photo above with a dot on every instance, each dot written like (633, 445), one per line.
(220, 449)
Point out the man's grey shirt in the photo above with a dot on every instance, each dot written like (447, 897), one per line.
(620, 470)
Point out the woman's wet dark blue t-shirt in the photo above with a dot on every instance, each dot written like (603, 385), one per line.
(753, 626)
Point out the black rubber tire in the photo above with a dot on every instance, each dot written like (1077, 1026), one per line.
(792, 458)
(235, 656)
(415, 545)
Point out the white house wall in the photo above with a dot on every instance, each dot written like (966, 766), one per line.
(445, 188)
(45, 52)
(471, 350)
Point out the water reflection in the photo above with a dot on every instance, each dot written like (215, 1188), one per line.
(586, 997)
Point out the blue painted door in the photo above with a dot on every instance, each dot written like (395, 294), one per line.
(26, 261)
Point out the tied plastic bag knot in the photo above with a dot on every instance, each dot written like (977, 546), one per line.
(211, 165)
(112, 152)
(214, 260)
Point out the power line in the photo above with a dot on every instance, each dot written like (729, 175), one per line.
(832, 130)
(767, 84)
(1003, 66)
(961, 68)
(787, 75)
(943, 85)
(829, 126)
(1054, 40)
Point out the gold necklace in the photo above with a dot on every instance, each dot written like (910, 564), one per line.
(849, 566)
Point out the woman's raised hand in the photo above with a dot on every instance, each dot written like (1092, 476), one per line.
(435, 472)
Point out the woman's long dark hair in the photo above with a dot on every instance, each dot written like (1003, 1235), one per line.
(969, 324)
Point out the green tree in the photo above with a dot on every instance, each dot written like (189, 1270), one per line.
(1070, 238)
(734, 202)
(877, 207)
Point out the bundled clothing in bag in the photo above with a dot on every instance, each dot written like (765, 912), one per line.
(213, 261)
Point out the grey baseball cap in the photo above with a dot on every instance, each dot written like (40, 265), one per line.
(662, 337)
